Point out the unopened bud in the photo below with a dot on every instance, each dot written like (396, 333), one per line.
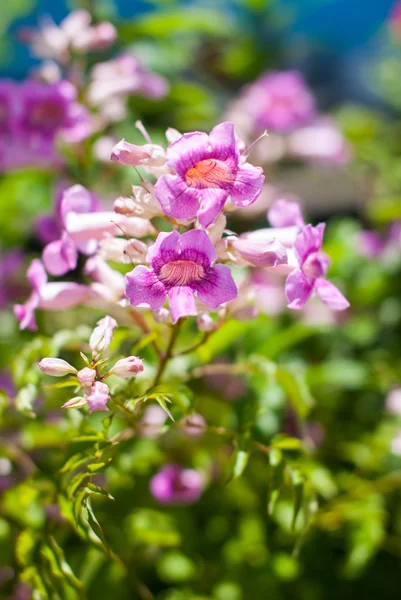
(128, 154)
(86, 377)
(127, 367)
(56, 367)
(77, 402)
(205, 322)
(102, 335)
(161, 315)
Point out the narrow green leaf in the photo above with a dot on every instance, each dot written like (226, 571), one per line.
(94, 524)
(298, 485)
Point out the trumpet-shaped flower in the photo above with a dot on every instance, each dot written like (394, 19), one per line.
(207, 172)
(180, 266)
(310, 275)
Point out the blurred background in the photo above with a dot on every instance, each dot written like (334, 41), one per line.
(322, 78)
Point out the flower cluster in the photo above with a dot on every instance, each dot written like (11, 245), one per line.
(282, 104)
(95, 392)
(199, 178)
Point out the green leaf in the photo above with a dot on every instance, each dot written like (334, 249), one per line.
(286, 443)
(64, 567)
(75, 461)
(277, 466)
(95, 489)
(25, 547)
(94, 523)
(298, 485)
(294, 385)
(25, 399)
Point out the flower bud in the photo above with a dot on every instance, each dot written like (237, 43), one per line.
(86, 377)
(56, 367)
(123, 251)
(97, 399)
(161, 315)
(127, 367)
(205, 322)
(102, 335)
(77, 402)
(194, 425)
(128, 154)
(260, 253)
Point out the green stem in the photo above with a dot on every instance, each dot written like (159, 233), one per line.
(169, 353)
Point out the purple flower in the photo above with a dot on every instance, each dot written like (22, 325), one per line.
(97, 399)
(310, 275)
(279, 101)
(53, 109)
(181, 265)
(8, 106)
(61, 255)
(285, 213)
(174, 485)
(49, 295)
(207, 171)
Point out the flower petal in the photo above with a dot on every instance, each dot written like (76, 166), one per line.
(212, 203)
(187, 151)
(297, 289)
(284, 213)
(142, 286)
(36, 274)
(182, 302)
(260, 253)
(330, 295)
(222, 140)
(217, 286)
(247, 185)
(196, 246)
(176, 198)
(308, 240)
(60, 256)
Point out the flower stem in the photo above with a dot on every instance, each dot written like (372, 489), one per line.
(169, 353)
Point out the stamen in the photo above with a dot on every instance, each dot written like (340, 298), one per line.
(264, 134)
(139, 125)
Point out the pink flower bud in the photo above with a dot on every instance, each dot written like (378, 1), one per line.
(127, 367)
(260, 253)
(161, 315)
(86, 377)
(97, 399)
(128, 154)
(102, 335)
(205, 322)
(56, 367)
(77, 402)
(194, 425)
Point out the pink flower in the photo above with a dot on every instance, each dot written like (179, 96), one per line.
(114, 80)
(180, 266)
(279, 101)
(285, 213)
(127, 367)
(47, 110)
(174, 485)
(207, 172)
(73, 33)
(61, 255)
(310, 274)
(97, 399)
(321, 142)
(48, 296)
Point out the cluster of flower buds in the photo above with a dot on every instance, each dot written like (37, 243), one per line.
(94, 391)
(200, 177)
